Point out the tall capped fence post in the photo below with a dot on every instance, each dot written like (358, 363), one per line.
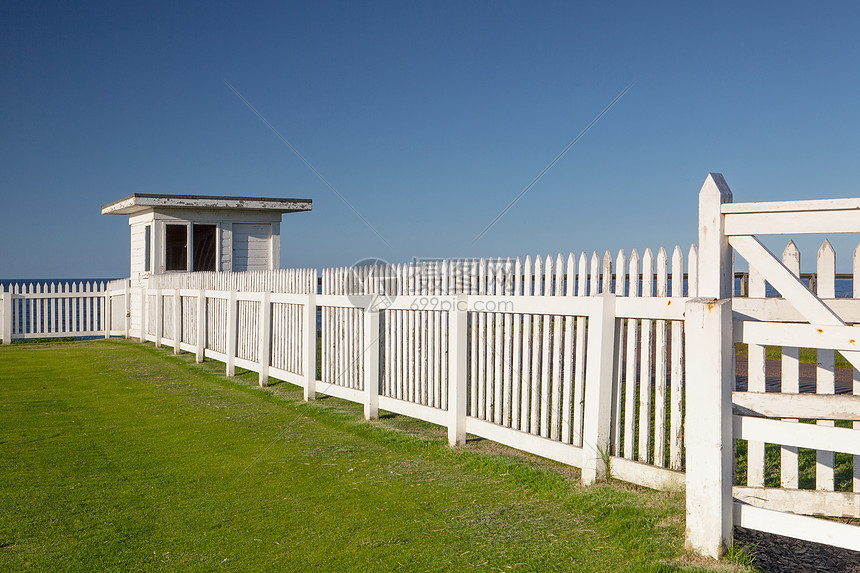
(309, 344)
(232, 335)
(143, 301)
(710, 379)
(106, 317)
(457, 383)
(201, 326)
(716, 276)
(159, 317)
(597, 420)
(126, 323)
(264, 344)
(7, 315)
(371, 362)
(177, 321)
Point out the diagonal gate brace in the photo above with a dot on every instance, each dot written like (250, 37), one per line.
(789, 286)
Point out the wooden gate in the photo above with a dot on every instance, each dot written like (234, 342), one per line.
(794, 422)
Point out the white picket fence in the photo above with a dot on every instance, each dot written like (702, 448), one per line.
(620, 364)
(503, 349)
(51, 310)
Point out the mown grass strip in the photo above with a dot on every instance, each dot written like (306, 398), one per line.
(118, 456)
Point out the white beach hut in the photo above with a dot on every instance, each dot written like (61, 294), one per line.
(182, 233)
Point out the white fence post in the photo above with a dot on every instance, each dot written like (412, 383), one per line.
(143, 297)
(310, 346)
(7, 315)
(177, 321)
(159, 317)
(127, 319)
(709, 368)
(457, 383)
(231, 334)
(716, 279)
(371, 362)
(598, 390)
(264, 346)
(710, 377)
(201, 326)
(106, 314)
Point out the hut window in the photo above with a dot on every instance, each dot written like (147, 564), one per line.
(147, 249)
(176, 247)
(205, 247)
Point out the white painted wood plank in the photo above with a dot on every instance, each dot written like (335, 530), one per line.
(798, 526)
(457, 380)
(507, 360)
(756, 383)
(497, 344)
(556, 407)
(620, 324)
(825, 371)
(780, 310)
(646, 475)
(546, 366)
(598, 390)
(801, 501)
(790, 223)
(667, 308)
(540, 446)
(474, 326)
(414, 410)
(534, 416)
(645, 357)
(795, 434)
(517, 368)
(632, 363)
(660, 364)
(789, 206)
(483, 357)
(843, 338)
(342, 392)
(715, 274)
(568, 351)
(795, 405)
(525, 407)
(708, 425)
(856, 372)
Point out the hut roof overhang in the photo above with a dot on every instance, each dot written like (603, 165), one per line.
(140, 202)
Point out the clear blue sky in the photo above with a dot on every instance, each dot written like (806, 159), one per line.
(430, 118)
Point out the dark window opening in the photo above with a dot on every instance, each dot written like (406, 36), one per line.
(175, 247)
(147, 247)
(204, 247)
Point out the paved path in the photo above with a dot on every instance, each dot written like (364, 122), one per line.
(844, 380)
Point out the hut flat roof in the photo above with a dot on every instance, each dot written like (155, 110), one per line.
(143, 201)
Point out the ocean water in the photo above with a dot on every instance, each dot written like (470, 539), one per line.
(844, 288)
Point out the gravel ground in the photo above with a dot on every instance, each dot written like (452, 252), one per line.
(778, 554)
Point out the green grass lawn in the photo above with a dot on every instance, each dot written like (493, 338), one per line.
(119, 456)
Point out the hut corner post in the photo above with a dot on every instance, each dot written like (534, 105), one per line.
(709, 373)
